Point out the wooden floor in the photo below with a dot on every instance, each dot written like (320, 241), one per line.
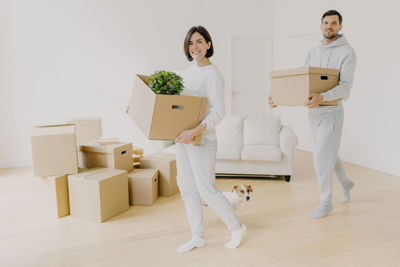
(364, 232)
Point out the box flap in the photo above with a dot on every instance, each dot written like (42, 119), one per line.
(302, 71)
(104, 174)
(98, 173)
(107, 148)
(143, 173)
(53, 129)
(141, 104)
(324, 71)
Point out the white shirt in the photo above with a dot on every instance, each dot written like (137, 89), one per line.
(206, 81)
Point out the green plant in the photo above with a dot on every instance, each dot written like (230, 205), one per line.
(165, 83)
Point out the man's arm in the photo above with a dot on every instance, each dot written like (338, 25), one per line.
(342, 90)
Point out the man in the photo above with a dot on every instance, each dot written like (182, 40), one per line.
(327, 121)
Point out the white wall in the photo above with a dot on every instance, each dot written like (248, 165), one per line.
(61, 59)
(372, 124)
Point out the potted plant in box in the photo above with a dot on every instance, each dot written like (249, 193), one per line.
(165, 83)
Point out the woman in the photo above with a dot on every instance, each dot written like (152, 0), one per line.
(196, 164)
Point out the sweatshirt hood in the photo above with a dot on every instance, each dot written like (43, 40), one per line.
(341, 41)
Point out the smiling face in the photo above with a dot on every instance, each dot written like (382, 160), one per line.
(331, 27)
(198, 47)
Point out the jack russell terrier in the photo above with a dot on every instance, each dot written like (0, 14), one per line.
(239, 194)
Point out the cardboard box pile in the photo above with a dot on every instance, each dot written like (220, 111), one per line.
(143, 186)
(98, 194)
(95, 193)
(164, 117)
(166, 164)
(103, 191)
(291, 87)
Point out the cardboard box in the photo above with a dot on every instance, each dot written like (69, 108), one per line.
(51, 195)
(87, 129)
(98, 194)
(166, 164)
(54, 150)
(136, 158)
(292, 87)
(137, 151)
(143, 186)
(117, 155)
(164, 117)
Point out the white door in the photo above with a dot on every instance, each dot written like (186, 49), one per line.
(250, 67)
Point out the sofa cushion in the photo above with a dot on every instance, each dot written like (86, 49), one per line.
(230, 130)
(228, 152)
(262, 153)
(261, 130)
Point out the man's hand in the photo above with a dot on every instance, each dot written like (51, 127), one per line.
(271, 103)
(185, 137)
(314, 100)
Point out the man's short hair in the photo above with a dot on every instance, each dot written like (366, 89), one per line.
(332, 13)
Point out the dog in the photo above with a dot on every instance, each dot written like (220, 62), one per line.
(239, 194)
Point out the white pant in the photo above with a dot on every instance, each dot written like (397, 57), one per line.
(326, 129)
(196, 181)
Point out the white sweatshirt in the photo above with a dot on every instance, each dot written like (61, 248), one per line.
(337, 55)
(206, 81)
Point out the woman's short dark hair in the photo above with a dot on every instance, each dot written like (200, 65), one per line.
(203, 32)
(332, 13)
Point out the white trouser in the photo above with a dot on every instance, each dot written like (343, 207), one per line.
(326, 129)
(196, 181)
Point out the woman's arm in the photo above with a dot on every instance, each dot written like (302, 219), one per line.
(215, 96)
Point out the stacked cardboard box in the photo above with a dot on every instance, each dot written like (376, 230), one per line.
(143, 186)
(87, 129)
(54, 155)
(117, 155)
(98, 194)
(54, 150)
(51, 194)
(166, 164)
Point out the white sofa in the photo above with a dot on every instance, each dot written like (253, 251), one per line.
(253, 146)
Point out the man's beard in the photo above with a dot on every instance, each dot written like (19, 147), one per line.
(333, 36)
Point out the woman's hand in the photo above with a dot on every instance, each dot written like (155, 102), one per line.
(314, 100)
(127, 109)
(185, 137)
(271, 103)
(188, 135)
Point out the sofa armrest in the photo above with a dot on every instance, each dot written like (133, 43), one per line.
(287, 140)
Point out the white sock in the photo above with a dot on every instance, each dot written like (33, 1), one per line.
(236, 237)
(346, 192)
(195, 242)
(322, 210)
